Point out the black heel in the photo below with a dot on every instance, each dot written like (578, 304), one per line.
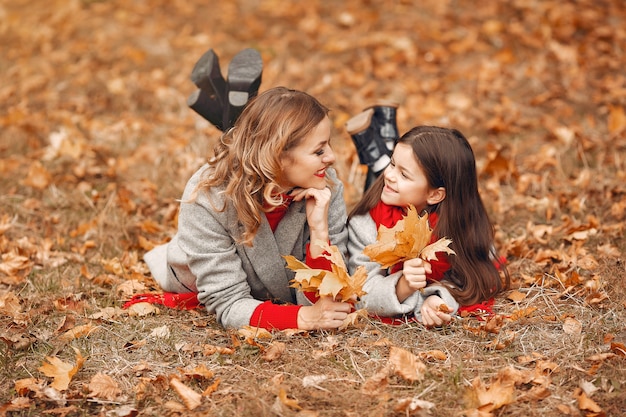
(207, 76)
(244, 79)
(370, 147)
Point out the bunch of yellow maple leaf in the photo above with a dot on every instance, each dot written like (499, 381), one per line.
(336, 283)
(408, 239)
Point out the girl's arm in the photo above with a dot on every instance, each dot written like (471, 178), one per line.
(381, 298)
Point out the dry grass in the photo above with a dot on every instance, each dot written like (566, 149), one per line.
(131, 149)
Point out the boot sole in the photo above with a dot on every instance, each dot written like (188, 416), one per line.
(244, 77)
(360, 122)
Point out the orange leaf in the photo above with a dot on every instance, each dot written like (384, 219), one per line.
(408, 239)
(62, 372)
(586, 403)
(274, 351)
(78, 331)
(191, 398)
(291, 403)
(406, 364)
(336, 283)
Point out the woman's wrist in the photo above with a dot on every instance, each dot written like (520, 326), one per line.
(314, 248)
(304, 321)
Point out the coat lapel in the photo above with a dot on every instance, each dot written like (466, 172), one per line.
(267, 253)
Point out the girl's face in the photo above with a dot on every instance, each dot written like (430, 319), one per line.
(405, 182)
(304, 166)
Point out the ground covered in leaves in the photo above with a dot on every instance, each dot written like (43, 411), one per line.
(96, 144)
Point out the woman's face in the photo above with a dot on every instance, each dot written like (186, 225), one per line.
(405, 182)
(304, 166)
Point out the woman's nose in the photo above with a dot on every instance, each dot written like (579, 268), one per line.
(329, 157)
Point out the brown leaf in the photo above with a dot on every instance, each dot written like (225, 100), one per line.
(406, 364)
(274, 351)
(191, 398)
(586, 403)
(104, 387)
(78, 331)
(489, 398)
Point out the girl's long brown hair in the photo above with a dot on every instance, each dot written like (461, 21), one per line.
(247, 159)
(447, 160)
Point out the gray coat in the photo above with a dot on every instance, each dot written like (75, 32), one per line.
(232, 279)
(381, 298)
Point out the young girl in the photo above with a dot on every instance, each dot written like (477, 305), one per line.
(434, 169)
(267, 192)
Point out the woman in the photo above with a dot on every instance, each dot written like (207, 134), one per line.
(267, 192)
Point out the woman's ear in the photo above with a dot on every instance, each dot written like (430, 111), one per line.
(436, 195)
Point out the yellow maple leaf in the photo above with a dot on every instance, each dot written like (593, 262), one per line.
(408, 239)
(336, 283)
(62, 372)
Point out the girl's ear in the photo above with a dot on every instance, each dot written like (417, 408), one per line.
(436, 195)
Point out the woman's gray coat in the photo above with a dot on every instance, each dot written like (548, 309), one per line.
(232, 279)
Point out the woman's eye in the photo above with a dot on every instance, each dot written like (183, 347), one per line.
(320, 152)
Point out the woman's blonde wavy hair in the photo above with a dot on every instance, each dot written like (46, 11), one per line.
(247, 159)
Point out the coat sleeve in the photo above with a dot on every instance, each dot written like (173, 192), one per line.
(381, 298)
(205, 250)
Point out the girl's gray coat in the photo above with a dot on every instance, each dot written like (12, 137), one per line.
(232, 279)
(381, 298)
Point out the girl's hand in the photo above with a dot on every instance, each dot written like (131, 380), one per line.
(414, 273)
(431, 314)
(317, 204)
(324, 314)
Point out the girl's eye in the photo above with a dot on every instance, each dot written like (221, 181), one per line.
(320, 152)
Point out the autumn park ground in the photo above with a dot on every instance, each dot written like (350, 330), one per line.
(97, 142)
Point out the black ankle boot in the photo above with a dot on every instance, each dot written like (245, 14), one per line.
(374, 133)
(244, 79)
(370, 146)
(207, 107)
(385, 119)
(209, 100)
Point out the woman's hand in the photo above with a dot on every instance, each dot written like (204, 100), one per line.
(317, 204)
(413, 277)
(324, 314)
(431, 312)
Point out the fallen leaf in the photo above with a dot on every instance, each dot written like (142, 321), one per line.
(274, 351)
(78, 331)
(191, 398)
(406, 364)
(162, 332)
(516, 296)
(572, 326)
(289, 402)
(142, 309)
(586, 403)
(104, 387)
(62, 372)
